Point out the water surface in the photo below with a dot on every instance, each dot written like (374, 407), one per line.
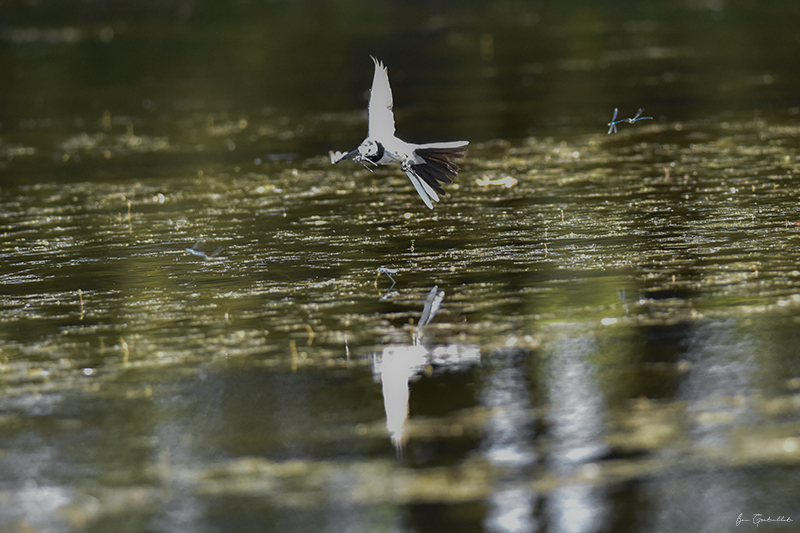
(591, 332)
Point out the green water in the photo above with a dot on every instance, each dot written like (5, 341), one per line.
(590, 332)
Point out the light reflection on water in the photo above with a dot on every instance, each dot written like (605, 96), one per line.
(542, 392)
(589, 333)
(577, 420)
(508, 437)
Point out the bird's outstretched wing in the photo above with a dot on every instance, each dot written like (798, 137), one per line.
(381, 117)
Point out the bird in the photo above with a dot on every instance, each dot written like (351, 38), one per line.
(426, 165)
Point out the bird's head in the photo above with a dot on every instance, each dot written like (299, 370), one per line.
(369, 151)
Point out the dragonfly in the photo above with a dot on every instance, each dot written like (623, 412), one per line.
(638, 117)
(388, 272)
(199, 253)
(612, 126)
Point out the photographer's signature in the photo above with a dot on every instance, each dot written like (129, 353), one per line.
(759, 519)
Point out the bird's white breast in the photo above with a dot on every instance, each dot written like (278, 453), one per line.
(397, 151)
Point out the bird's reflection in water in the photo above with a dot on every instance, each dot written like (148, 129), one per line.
(397, 364)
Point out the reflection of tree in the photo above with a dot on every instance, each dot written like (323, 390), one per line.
(716, 391)
(577, 424)
(507, 443)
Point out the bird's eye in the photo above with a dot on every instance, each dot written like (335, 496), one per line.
(369, 148)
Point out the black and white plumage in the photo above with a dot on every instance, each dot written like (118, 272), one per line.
(427, 165)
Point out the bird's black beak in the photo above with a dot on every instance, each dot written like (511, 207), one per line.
(347, 156)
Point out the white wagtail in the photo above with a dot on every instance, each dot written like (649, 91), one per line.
(425, 164)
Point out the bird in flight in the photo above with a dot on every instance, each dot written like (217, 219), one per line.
(426, 165)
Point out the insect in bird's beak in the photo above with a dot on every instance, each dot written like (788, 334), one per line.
(342, 157)
(355, 155)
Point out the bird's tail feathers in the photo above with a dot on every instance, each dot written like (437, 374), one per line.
(438, 166)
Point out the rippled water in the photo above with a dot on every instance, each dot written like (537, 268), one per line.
(205, 326)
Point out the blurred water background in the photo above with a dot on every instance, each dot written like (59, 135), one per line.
(205, 326)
